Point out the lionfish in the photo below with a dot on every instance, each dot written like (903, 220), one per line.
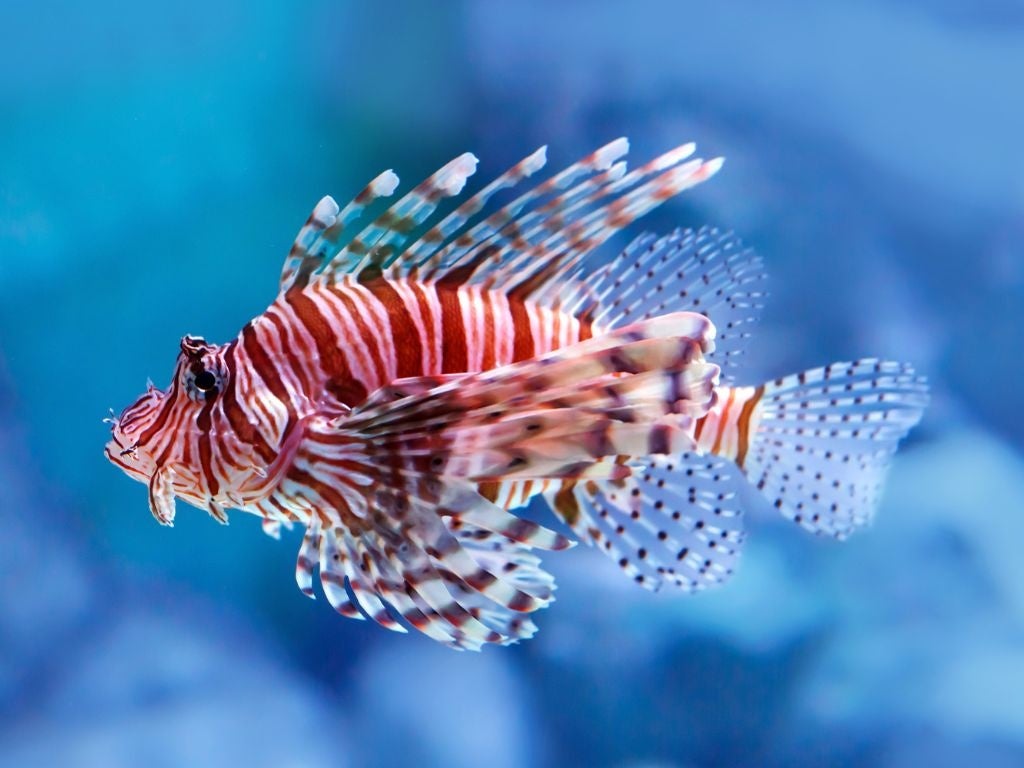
(418, 378)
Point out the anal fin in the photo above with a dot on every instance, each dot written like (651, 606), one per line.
(674, 519)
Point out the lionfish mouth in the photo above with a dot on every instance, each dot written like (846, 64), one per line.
(122, 449)
(120, 452)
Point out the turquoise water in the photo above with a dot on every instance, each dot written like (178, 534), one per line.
(155, 164)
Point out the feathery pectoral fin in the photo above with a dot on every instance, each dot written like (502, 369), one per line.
(408, 548)
(637, 374)
(398, 527)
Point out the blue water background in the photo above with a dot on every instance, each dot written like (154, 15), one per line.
(155, 163)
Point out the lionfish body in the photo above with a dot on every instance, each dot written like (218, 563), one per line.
(414, 383)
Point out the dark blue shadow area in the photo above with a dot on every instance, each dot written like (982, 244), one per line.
(155, 164)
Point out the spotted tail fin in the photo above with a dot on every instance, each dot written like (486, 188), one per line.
(821, 441)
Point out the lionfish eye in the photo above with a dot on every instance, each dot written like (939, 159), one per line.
(205, 381)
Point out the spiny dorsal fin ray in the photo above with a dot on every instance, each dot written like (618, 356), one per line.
(384, 237)
(586, 224)
(318, 239)
(596, 199)
(542, 247)
(436, 259)
(448, 227)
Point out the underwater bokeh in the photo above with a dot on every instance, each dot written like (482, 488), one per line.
(155, 164)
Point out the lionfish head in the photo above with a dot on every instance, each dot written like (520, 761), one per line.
(155, 439)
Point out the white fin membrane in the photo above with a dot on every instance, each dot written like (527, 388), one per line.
(674, 520)
(821, 441)
(705, 271)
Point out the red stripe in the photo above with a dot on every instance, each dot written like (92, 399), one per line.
(405, 340)
(489, 340)
(522, 346)
(164, 415)
(204, 424)
(287, 343)
(374, 344)
(341, 383)
(453, 332)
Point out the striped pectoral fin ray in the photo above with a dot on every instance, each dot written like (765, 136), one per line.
(406, 387)
(408, 548)
(272, 526)
(569, 415)
(821, 441)
(674, 519)
(527, 422)
(560, 444)
(653, 367)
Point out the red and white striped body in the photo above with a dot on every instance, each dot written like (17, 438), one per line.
(331, 346)
(326, 348)
(351, 338)
(335, 345)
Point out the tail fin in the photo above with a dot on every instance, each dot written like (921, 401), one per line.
(821, 440)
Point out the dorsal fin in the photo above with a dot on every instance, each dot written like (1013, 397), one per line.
(549, 243)
(706, 271)
(317, 241)
(532, 242)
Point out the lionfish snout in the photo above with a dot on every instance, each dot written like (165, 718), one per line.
(126, 447)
